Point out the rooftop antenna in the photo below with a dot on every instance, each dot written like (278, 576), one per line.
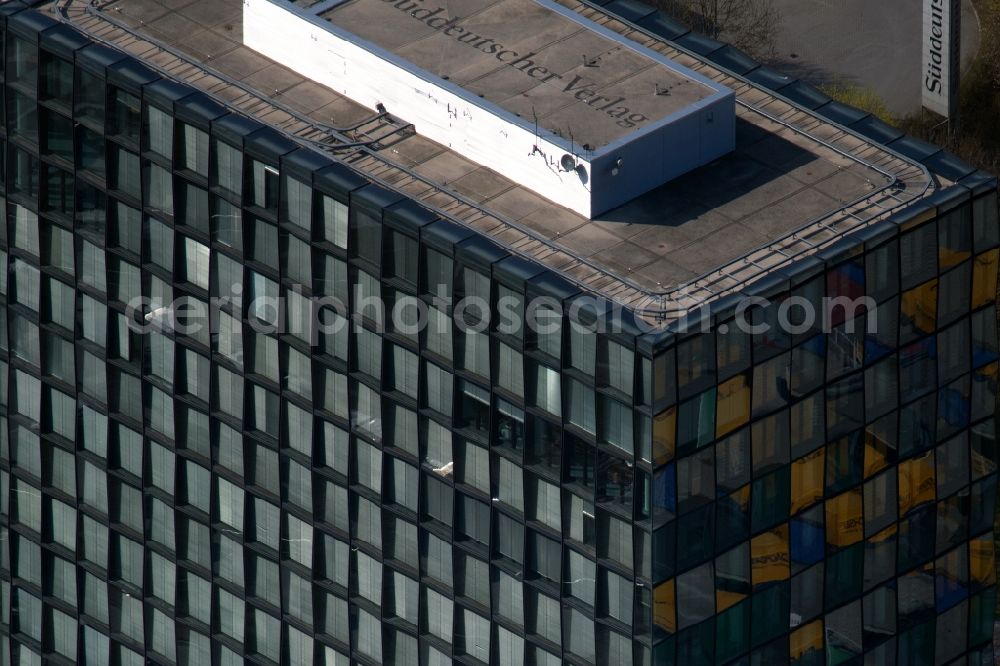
(535, 148)
(568, 161)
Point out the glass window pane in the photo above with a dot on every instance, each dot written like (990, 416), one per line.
(160, 131)
(228, 172)
(194, 150)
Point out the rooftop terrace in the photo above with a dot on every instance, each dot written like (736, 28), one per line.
(795, 182)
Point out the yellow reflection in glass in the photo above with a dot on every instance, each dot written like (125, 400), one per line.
(741, 497)
(916, 482)
(885, 535)
(664, 607)
(732, 405)
(982, 561)
(664, 436)
(918, 219)
(949, 256)
(984, 278)
(844, 519)
(919, 305)
(807, 480)
(726, 599)
(769, 556)
(806, 639)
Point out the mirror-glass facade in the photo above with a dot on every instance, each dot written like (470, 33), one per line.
(240, 470)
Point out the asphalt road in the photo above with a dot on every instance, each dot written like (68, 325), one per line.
(872, 44)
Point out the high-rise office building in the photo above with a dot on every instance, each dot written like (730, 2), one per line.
(213, 450)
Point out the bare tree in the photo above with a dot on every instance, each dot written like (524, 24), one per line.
(750, 25)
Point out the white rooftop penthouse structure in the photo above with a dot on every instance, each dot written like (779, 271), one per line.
(528, 88)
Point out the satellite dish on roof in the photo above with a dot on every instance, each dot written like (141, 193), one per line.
(568, 162)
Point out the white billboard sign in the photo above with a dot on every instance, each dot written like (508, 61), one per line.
(941, 55)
